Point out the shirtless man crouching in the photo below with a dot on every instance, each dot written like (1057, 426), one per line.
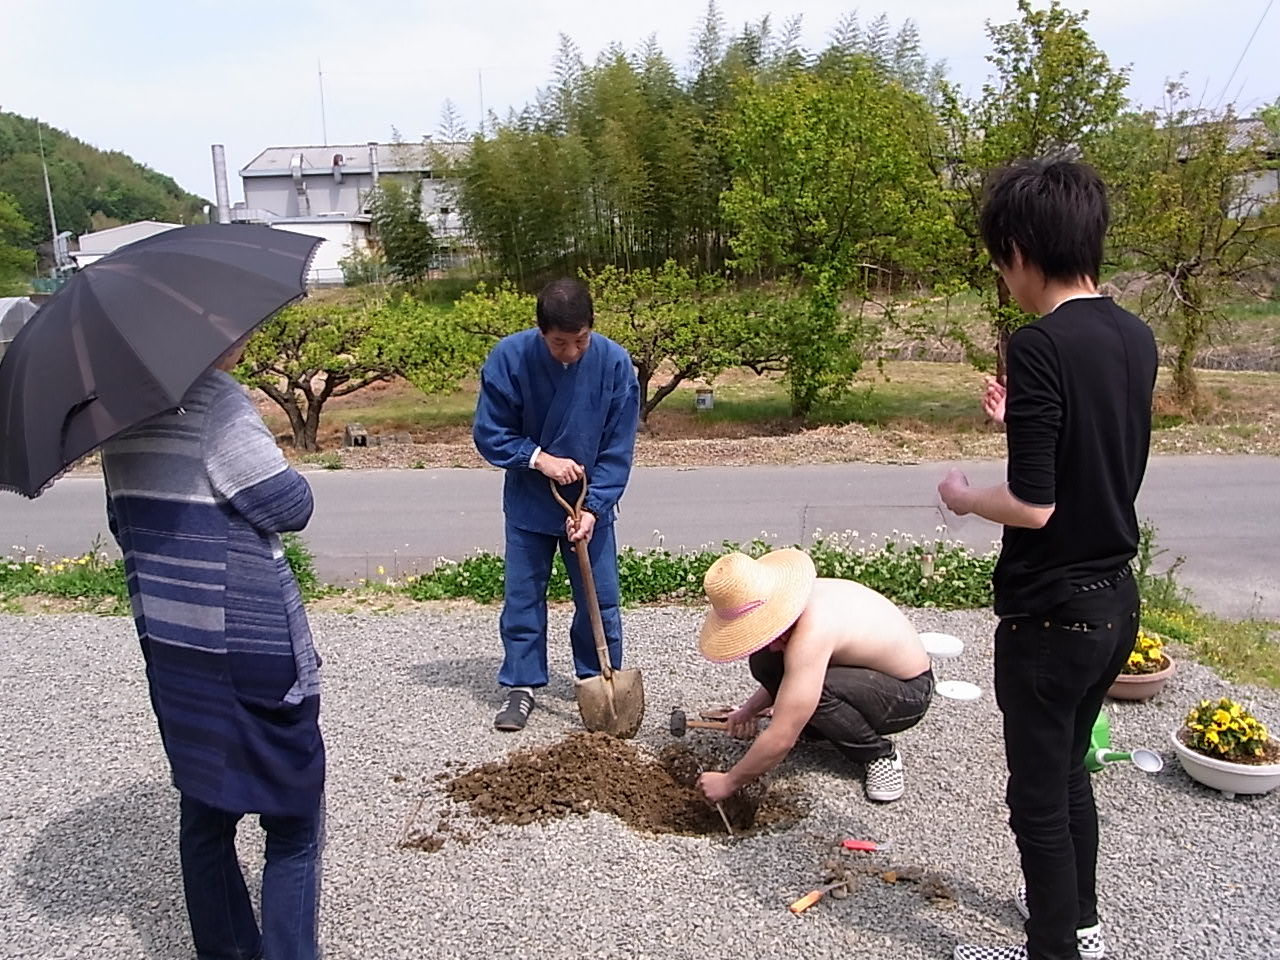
(835, 660)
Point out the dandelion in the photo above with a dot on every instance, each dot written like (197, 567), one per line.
(381, 570)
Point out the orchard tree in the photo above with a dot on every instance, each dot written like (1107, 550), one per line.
(1054, 94)
(678, 326)
(487, 314)
(1185, 207)
(310, 353)
(831, 182)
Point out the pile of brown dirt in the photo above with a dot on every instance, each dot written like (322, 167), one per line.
(594, 771)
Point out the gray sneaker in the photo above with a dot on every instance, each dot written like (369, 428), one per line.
(515, 711)
(1088, 939)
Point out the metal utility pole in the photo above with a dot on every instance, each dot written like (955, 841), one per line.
(48, 194)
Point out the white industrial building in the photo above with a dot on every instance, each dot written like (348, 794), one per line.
(326, 192)
(92, 247)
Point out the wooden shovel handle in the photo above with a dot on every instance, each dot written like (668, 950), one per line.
(588, 581)
(574, 510)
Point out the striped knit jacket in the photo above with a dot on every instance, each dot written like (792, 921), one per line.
(197, 500)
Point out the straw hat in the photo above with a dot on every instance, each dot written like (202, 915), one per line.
(753, 602)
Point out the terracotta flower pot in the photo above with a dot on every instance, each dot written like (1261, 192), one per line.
(1223, 775)
(1141, 686)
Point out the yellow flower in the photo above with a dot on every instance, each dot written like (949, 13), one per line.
(1221, 717)
(381, 570)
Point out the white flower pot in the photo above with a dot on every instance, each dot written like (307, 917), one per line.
(1229, 778)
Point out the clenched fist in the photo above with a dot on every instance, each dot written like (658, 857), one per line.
(559, 469)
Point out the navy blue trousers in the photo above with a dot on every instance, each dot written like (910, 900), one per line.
(222, 921)
(523, 624)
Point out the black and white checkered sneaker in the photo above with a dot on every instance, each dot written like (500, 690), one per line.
(884, 778)
(967, 951)
(1088, 939)
(515, 711)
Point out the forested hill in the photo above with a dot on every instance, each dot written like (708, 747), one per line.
(92, 188)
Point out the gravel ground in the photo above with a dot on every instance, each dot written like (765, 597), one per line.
(88, 821)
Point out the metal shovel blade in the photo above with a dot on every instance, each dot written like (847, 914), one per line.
(614, 706)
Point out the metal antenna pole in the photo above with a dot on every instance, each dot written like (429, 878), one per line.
(324, 122)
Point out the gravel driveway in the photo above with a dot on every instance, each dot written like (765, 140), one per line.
(88, 856)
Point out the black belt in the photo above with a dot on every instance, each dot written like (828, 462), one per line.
(1120, 576)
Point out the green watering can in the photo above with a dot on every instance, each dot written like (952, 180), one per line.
(1100, 753)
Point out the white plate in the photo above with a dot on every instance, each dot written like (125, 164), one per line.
(958, 690)
(942, 646)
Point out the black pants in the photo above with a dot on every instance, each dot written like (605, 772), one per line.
(1051, 673)
(857, 707)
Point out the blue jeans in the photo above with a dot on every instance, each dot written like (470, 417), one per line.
(222, 921)
(523, 624)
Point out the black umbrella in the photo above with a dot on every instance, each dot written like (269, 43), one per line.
(126, 338)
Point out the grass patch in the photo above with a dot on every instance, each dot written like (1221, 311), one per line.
(940, 574)
(906, 392)
(95, 582)
(330, 460)
(92, 580)
(1255, 322)
(1246, 651)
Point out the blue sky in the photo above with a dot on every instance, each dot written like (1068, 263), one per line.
(163, 79)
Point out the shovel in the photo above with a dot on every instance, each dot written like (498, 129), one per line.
(614, 701)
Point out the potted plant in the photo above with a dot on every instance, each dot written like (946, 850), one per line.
(1146, 670)
(1225, 747)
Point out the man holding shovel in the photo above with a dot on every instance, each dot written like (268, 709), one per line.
(558, 404)
(835, 660)
(1077, 412)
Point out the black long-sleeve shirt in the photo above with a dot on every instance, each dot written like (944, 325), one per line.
(1078, 416)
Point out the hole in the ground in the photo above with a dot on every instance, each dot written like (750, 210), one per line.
(594, 771)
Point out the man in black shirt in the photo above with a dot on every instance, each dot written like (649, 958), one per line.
(1077, 410)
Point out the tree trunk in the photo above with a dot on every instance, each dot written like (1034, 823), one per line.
(287, 401)
(311, 426)
(644, 376)
(1003, 333)
(663, 392)
(1186, 387)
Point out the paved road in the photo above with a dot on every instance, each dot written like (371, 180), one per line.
(1221, 513)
